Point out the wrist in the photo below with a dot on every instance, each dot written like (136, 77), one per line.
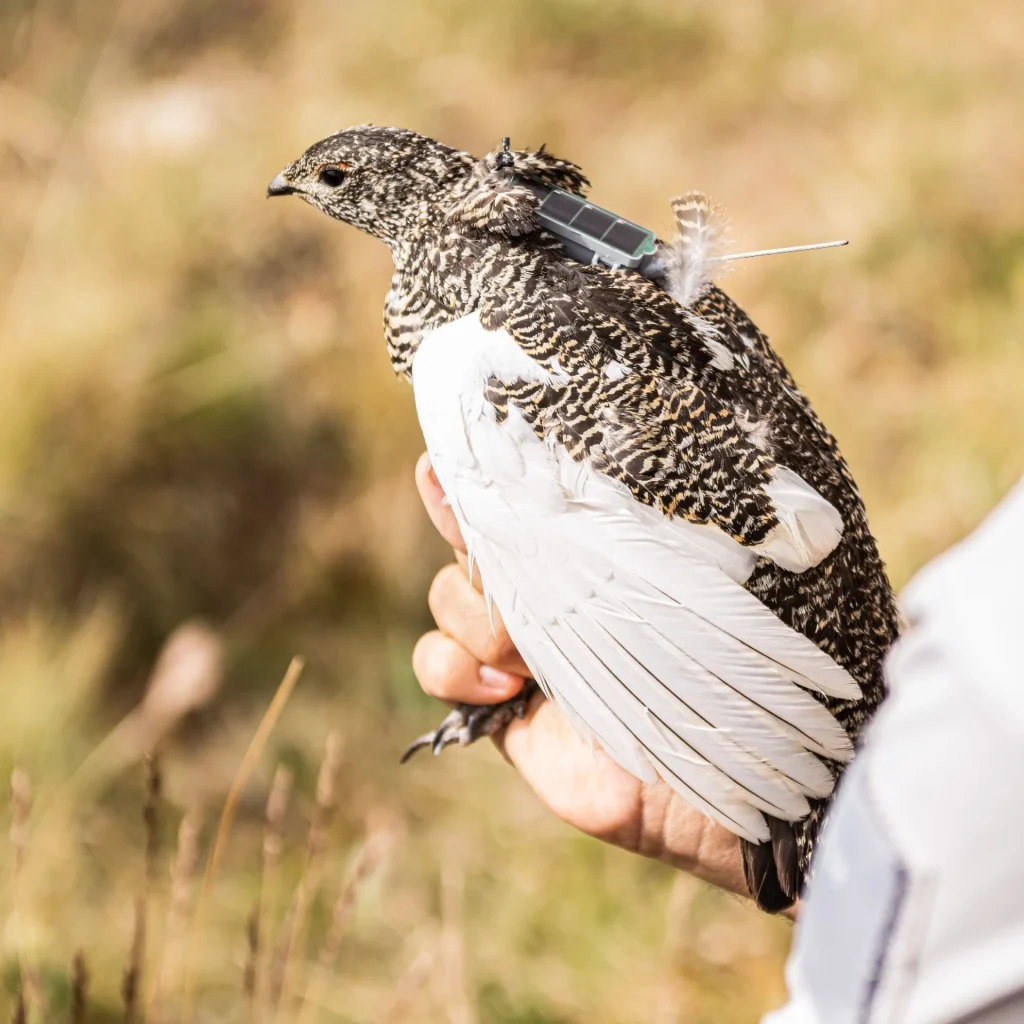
(676, 834)
(693, 843)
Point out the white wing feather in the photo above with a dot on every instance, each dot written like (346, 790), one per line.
(637, 626)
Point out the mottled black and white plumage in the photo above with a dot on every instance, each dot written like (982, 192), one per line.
(675, 543)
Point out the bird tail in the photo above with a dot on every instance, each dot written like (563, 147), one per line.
(772, 869)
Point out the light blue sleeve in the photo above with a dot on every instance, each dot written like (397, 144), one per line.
(914, 911)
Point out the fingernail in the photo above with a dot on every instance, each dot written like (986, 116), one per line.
(495, 679)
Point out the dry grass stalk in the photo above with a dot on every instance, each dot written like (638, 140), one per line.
(21, 804)
(280, 957)
(20, 1014)
(151, 865)
(186, 676)
(273, 844)
(410, 984)
(252, 755)
(186, 856)
(326, 796)
(21, 807)
(151, 817)
(309, 882)
(367, 861)
(131, 983)
(79, 988)
(252, 935)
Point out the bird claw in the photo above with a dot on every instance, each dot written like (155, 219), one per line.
(466, 723)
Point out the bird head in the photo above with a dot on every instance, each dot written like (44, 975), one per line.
(384, 181)
(393, 183)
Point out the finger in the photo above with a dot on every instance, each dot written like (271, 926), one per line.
(463, 561)
(449, 672)
(440, 512)
(460, 611)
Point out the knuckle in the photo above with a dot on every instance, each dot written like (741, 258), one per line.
(449, 661)
(438, 664)
(441, 588)
(419, 657)
(498, 647)
(426, 661)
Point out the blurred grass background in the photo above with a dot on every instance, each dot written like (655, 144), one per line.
(203, 450)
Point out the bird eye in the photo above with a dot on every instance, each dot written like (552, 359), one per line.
(331, 176)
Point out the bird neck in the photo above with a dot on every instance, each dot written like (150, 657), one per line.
(439, 277)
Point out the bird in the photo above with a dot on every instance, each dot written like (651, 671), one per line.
(671, 536)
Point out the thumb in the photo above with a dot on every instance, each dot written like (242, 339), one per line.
(440, 512)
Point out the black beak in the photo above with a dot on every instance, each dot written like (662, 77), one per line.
(280, 187)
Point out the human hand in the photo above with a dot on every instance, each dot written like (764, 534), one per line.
(464, 660)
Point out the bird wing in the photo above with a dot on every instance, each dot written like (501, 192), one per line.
(637, 624)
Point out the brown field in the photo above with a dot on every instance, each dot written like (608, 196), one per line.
(203, 451)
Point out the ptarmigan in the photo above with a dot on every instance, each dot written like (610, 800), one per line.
(671, 535)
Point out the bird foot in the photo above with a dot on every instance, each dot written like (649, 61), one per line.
(466, 723)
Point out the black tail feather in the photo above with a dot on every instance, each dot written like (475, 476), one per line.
(772, 869)
(785, 856)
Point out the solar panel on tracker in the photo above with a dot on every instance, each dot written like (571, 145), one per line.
(561, 206)
(625, 236)
(590, 233)
(592, 221)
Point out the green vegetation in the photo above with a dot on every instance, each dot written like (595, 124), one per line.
(203, 452)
